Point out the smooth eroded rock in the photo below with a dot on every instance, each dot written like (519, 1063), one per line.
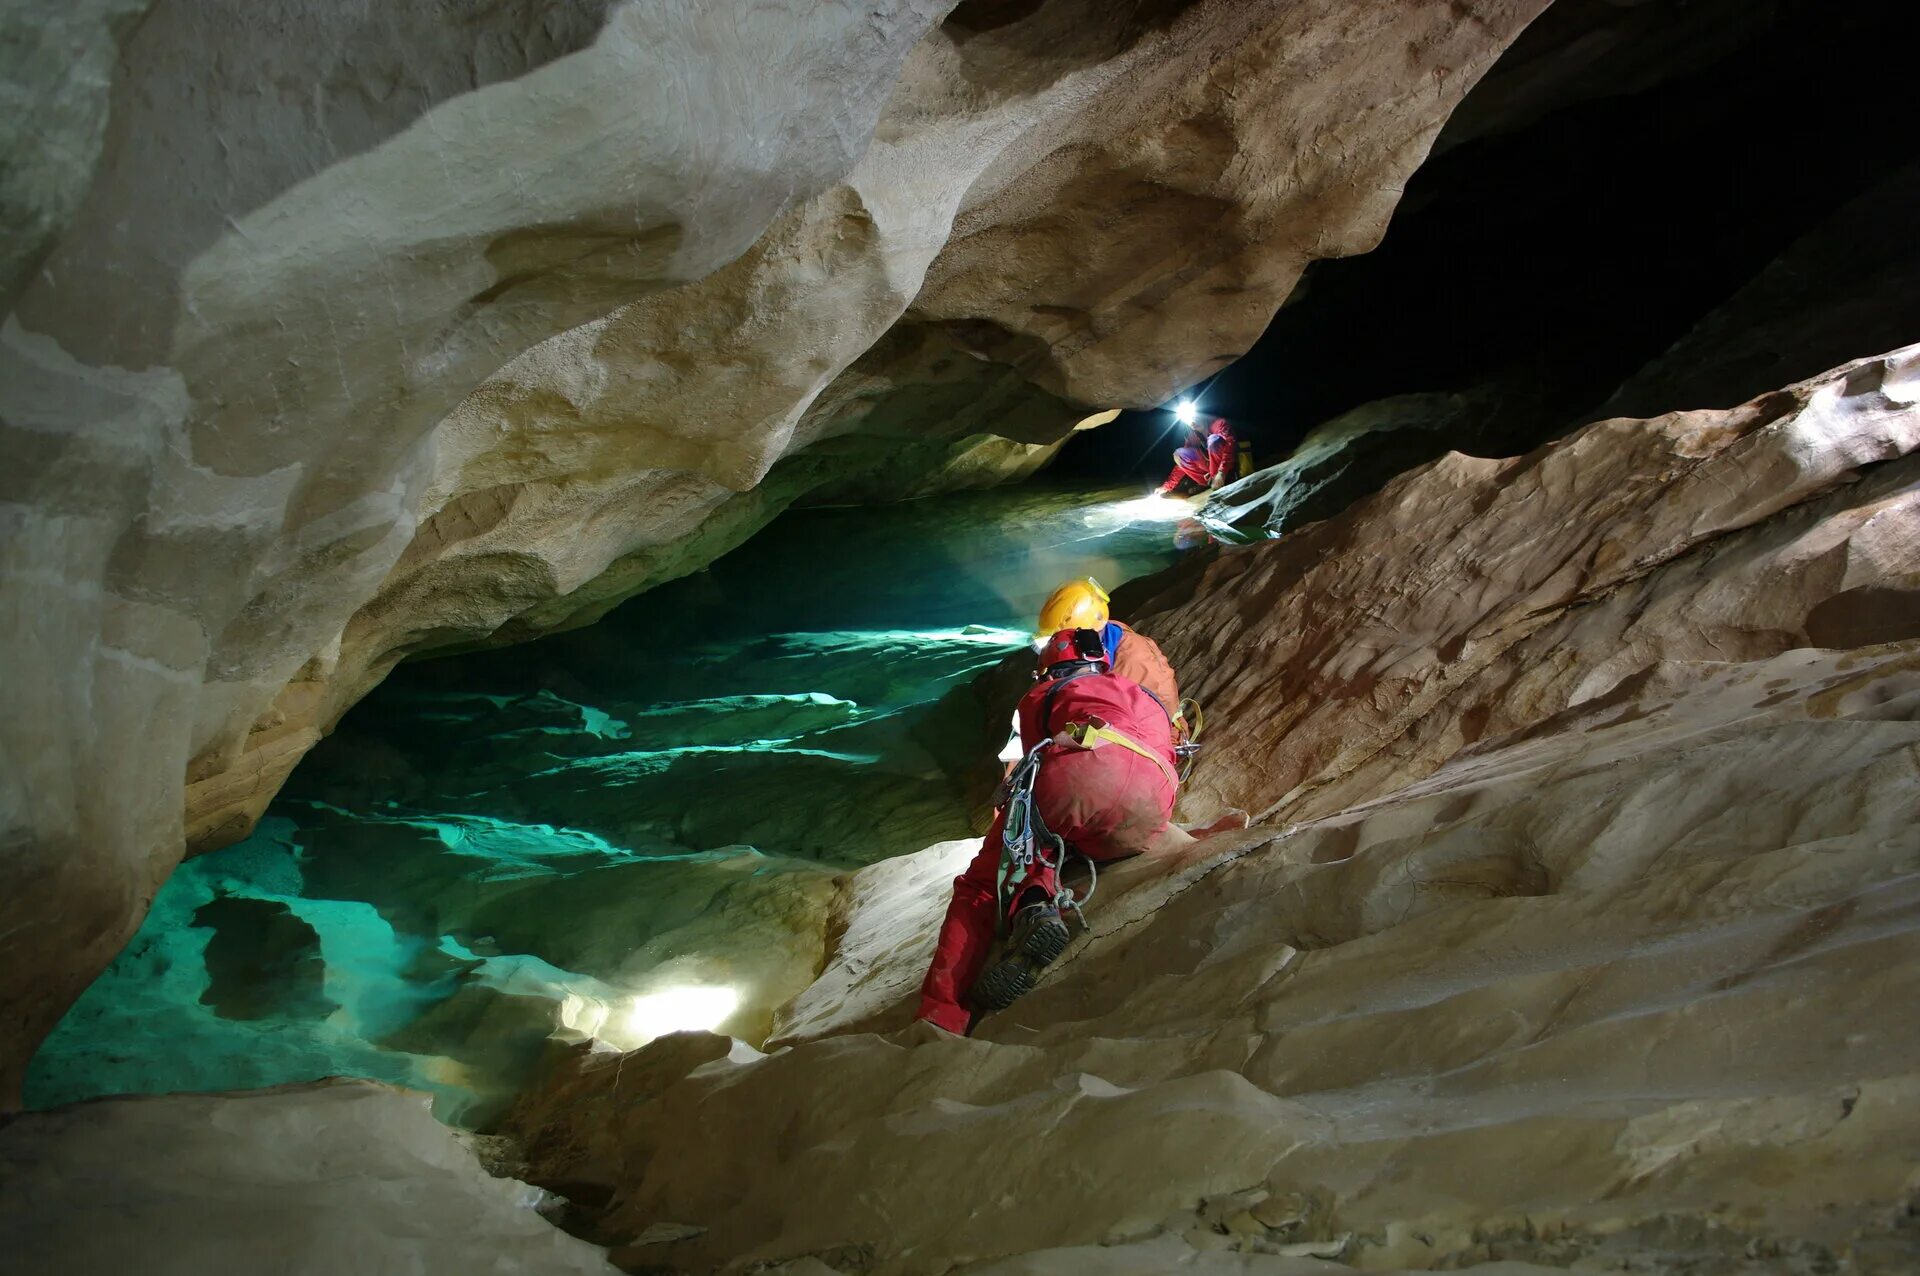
(1581, 928)
(341, 1176)
(379, 330)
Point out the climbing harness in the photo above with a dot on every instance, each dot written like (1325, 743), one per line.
(1027, 845)
(1187, 720)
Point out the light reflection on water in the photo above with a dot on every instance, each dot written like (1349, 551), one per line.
(614, 833)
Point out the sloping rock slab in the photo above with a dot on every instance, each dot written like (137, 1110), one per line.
(322, 1179)
(1584, 928)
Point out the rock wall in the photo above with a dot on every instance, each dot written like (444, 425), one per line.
(309, 233)
(1513, 277)
(1845, 284)
(378, 328)
(1580, 928)
(1849, 283)
(1342, 460)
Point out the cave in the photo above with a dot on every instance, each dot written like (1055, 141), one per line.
(527, 525)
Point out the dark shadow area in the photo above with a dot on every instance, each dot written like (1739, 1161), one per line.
(261, 960)
(1546, 264)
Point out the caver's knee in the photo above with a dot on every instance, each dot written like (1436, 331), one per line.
(1135, 829)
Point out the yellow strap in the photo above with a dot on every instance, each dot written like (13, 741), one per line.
(1091, 736)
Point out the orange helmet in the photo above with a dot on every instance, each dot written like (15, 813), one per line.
(1071, 646)
(1078, 604)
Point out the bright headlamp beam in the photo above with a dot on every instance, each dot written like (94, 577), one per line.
(1185, 413)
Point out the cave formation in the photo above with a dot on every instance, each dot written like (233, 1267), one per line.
(521, 535)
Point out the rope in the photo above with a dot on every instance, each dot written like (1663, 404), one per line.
(1093, 883)
(1093, 733)
(1025, 841)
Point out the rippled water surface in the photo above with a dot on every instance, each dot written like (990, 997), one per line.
(615, 832)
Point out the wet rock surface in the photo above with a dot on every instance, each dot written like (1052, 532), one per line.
(1337, 463)
(1580, 928)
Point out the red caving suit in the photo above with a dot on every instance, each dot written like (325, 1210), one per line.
(1107, 803)
(1206, 459)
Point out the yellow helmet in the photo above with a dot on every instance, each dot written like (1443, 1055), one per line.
(1078, 604)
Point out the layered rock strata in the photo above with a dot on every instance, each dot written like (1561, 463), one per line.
(1581, 927)
(222, 383)
(378, 330)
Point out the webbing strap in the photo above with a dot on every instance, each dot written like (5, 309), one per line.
(1046, 701)
(1126, 741)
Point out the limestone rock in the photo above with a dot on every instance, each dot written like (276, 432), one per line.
(379, 331)
(310, 232)
(880, 941)
(1423, 591)
(58, 69)
(439, 845)
(321, 1179)
(970, 275)
(261, 955)
(1342, 460)
(1581, 930)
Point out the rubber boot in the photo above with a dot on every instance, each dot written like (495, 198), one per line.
(1039, 937)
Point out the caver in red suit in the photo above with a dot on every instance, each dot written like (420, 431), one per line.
(1107, 802)
(1207, 460)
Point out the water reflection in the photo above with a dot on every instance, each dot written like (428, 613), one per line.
(631, 829)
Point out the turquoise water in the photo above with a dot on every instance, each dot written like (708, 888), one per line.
(608, 833)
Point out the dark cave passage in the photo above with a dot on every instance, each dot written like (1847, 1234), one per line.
(1541, 265)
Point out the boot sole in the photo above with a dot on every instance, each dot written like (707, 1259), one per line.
(1014, 977)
